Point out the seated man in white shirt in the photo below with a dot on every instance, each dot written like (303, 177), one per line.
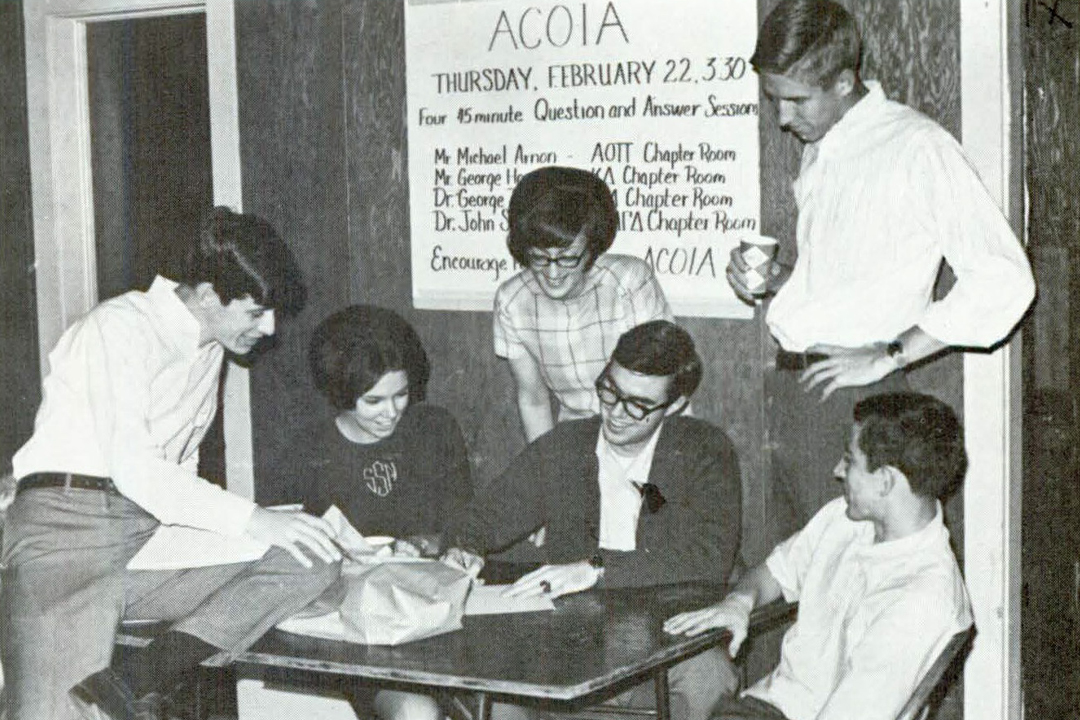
(131, 390)
(640, 496)
(878, 587)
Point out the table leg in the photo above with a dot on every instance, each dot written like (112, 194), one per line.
(200, 694)
(663, 701)
(483, 706)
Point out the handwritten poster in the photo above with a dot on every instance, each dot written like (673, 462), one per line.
(657, 98)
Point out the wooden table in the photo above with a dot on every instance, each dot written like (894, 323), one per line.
(593, 645)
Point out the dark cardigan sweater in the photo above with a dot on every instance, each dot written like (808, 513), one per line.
(553, 483)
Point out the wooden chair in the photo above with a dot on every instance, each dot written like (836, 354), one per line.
(935, 682)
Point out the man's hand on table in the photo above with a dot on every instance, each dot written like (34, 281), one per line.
(555, 580)
(847, 367)
(733, 613)
(294, 530)
(463, 560)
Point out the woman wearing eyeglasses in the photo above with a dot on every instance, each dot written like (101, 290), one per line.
(392, 464)
(558, 320)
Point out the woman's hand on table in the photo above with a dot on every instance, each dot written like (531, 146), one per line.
(426, 546)
(405, 548)
(294, 531)
(463, 560)
(555, 580)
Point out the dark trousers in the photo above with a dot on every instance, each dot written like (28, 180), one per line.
(65, 588)
(695, 685)
(807, 436)
(746, 708)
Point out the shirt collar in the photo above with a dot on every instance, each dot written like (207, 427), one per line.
(643, 459)
(848, 135)
(176, 319)
(934, 533)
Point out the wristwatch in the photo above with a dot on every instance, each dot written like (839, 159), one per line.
(895, 352)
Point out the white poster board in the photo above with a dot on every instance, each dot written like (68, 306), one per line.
(657, 98)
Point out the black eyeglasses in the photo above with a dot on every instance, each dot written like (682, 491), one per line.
(610, 396)
(563, 261)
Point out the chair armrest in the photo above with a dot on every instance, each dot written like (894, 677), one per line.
(772, 615)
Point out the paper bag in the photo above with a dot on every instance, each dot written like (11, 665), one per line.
(397, 602)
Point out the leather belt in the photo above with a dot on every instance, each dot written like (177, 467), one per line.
(797, 360)
(53, 480)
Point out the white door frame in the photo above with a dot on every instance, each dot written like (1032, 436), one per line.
(60, 169)
(992, 117)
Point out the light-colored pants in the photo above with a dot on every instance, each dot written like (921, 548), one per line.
(695, 686)
(65, 588)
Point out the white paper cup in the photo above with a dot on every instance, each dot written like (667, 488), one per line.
(759, 253)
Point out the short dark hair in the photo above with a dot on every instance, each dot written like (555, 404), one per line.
(809, 40)
(352, 349)
(242, 255)
(660, 347)
(918, 435)
(551, 206)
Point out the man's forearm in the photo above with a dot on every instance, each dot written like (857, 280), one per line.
(536, 419)
(758, 586)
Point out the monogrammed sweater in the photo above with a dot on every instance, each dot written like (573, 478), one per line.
(410, 483)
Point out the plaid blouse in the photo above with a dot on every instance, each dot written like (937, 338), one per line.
(572, 340)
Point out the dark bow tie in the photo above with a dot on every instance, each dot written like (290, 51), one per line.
(654, 499)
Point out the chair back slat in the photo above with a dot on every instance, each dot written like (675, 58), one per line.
(918, 705)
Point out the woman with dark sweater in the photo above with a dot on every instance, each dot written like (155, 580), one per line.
(393, 464)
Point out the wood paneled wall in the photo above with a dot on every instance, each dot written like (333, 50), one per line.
(1051, 497)
(325, 155)
(19, 380)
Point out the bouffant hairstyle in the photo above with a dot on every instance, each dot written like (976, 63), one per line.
(918, 435)
(552, 206)
(660, 347)
(812, 41)
(351, 350)
(241, 256)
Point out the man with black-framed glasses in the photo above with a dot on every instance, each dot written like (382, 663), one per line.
(640, 496)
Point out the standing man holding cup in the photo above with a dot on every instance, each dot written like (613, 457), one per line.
(884, 194)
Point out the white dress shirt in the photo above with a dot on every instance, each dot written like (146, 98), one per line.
(872, 616)
(883, 197)
(620, 477)
(129, 396)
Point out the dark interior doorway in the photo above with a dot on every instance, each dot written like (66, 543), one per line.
(150, 150)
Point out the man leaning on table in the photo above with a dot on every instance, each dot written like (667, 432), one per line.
(131, 390)
(639, 496)
(884, 194)
(878, 587)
